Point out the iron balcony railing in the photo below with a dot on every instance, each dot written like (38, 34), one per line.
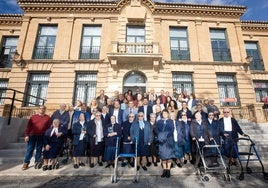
(256, 64)
(135, 48)
(221, 54)
(43, 52)
(90, 52)
(180, 53)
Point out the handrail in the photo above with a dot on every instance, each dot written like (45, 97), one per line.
(13, 99)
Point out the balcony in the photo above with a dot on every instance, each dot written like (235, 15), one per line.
(180, 53)
(43, 52)
(90, 52)
(221, 54)
(135, 54)
(257, 64)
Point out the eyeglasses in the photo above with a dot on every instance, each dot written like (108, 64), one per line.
(183, 115)
(131, 116)
(140, 115)
(97, 115)
(226, 112)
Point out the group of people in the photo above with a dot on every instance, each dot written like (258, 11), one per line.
(166, 128)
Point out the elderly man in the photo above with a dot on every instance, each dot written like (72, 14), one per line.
(34, 135)
(63, 115)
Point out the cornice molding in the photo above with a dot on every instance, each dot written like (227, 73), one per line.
(11, 19)
(254, 25)
(114, 6)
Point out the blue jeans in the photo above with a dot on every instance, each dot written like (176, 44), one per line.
(34, 141)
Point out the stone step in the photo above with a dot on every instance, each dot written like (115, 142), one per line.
(17, 145)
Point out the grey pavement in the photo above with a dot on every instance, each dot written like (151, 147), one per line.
(11, 175)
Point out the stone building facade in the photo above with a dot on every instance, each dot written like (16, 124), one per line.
(64, 50)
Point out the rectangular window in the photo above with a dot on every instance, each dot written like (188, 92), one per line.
(37, 85)
(219, 44)
(261, 91)
(85, 87)
(45, 43)
(3, 87)
(179, 48)
(91, 41)
(9, 46)
(183, 81)
(227, 87)
(253, 51)
(135, 35)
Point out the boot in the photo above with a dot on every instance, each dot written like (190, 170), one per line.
(168, 174)
(164, 174)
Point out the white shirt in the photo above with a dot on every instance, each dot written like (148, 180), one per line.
(145, 112)
(116, 112)
(54, 130)
(99, 131)
(227, 124)
(82, 134)
(175, 132)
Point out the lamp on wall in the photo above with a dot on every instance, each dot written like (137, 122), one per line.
(246, 65)
(15, 56)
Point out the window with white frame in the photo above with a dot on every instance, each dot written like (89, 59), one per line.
(45, 43)
(3, 87)
(135, 35)
(228, 93)
(85, 87)
(9, 45)
(37, 86)
(91, 42)
(179, 48)
(219, 44)
(261, 91)
(182, 82)
(252, 50)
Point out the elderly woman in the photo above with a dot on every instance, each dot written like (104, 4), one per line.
(140, 132)
(53, 140)
(80, 141)
(111, 132)
(164, 131)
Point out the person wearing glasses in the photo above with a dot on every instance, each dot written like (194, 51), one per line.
(96, 146)
(80, 140)
(127, 146)
(164, 131)
(230, 129)
(140, 132)
(199, 132)
(111, 132)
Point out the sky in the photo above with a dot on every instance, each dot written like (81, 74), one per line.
(257, 10)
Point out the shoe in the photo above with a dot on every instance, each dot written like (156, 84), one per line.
(185, 161)
(91, 165)
(179, 165)
(164, 174)
(148, 164)
(144, 168)
(192, 162)
(138, 168)
(132, 164)
(108, 165)
(100, 164)
(172, 166)
(168, 174)
(155, 164)
(81, 164)
(76, 166)
(45, 168)
(49, 167)
(25, 166)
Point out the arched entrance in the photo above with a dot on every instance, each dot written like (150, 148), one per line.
(134, 80)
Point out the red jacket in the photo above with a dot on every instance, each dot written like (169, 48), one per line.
(37, 125)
